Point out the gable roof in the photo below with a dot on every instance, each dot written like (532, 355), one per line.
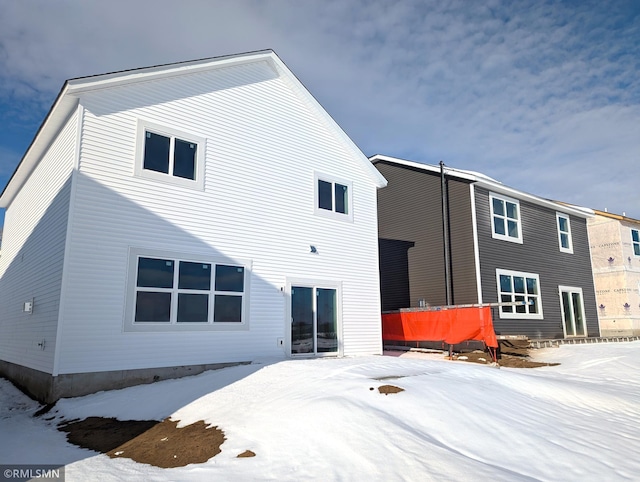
(486, 182)
(68, 98)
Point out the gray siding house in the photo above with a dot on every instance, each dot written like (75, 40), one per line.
(504, 245)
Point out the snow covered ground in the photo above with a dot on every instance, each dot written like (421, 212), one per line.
(321, 420)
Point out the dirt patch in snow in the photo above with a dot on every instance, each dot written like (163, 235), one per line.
(246, 453)
(161, 444)
(387, 389)
(510, 361)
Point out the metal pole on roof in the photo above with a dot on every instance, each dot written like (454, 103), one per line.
(445, 234)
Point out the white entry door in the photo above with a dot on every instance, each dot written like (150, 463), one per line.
(572, 311)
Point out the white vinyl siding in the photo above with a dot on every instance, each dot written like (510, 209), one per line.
(32, 256)
(264, 144)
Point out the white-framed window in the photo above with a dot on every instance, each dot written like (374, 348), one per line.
(169, 291)
(169, 155)
(505, 218)
(333, 197)
(564, 233)
(520, 288)
(635, 241)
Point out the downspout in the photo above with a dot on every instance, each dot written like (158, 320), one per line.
(445, 235)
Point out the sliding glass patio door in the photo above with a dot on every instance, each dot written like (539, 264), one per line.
(314, 320)
(572, 311)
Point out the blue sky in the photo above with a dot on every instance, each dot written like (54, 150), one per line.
(541, 95)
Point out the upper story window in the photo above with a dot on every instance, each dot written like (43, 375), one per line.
(168, 155)
(564, 233)
(635, 240)
(333, 197)
(523, 289)
(505, 218)
(180, 292)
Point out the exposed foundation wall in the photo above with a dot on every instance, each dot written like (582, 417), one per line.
(47, 389)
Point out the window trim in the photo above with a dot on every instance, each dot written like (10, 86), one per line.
(139, 171)
(130, 325)
(348, 216)
(514, 315)
(505, 237)
(568, 233)
(635, 243)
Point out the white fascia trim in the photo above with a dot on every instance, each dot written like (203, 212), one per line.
(523, 196)
(489, 184)
(105, 81)
(49, 129)
(476, 249)
(425, 167)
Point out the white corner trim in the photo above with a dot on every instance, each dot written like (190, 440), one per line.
(67, 242)
(476, 249)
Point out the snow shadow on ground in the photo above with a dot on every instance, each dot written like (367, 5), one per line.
(109, 423)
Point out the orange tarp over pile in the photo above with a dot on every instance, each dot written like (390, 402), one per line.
(453, 325)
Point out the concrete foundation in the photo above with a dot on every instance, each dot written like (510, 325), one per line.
(46, 388)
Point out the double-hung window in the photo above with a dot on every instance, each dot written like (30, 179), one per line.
(333, 197)
(169, 155)
(519, 294)
(635, 241)
(564, 233)
(505, 218)
(179, 291)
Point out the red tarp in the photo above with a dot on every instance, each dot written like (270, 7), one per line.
(453, 325)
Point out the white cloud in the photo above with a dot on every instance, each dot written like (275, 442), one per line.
(543, 96)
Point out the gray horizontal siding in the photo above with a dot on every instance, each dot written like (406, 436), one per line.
(409, 209)
(463, 268)
(539, 253)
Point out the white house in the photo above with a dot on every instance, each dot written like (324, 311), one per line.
(171, 219)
